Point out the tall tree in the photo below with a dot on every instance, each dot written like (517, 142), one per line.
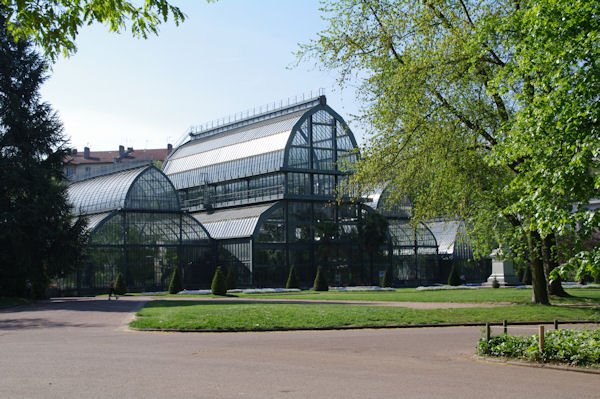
(39, 238)
(446, 100)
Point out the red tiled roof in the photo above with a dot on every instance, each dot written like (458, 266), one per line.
(97, 157)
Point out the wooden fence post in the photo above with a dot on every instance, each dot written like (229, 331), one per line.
(556, 324)
(487, 332)
(505, 325)
(541, 339)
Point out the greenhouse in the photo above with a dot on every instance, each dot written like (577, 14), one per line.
(413, 249)
(136, 226)
(264, 186)
(454, 247)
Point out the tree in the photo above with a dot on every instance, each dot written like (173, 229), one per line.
(54, 24)
(451, 91)
(175, 285)
(372, 229)
(39, 238)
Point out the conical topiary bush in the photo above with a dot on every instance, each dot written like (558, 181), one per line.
(219, 283)
(321, 283)
(453, 278)
(387, 279)
(175, 286)
(292, 281)
(120, 288)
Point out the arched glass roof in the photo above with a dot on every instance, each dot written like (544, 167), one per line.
(302, 136)
(142, 188)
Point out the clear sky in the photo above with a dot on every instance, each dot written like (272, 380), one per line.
(225, 58)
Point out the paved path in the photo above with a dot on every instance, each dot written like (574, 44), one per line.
(80, 348)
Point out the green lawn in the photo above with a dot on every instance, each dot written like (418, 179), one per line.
(512, 295)
(197, 315)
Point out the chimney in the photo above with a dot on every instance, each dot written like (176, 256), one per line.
(74, 151)
(169, 148)
(86, 152)
(121, 150)
(129, 149)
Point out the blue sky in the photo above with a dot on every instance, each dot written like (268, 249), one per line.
(226, 57)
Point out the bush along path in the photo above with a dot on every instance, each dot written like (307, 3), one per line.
(569, 347)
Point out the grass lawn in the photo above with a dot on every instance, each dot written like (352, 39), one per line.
(10, 302)
(511, 295)
(196, 315)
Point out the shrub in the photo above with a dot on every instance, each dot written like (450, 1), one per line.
(231, 278)
(120, 288)
(292, 281)
(495, 283)
(175, 286)
(219, 283)
(453, 278)
(387, 279)
(321, 283)
(521, 274)
(574, 347)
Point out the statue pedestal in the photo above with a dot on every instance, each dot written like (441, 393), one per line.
(502, 271)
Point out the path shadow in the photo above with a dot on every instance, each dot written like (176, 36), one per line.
(79, 305)
(30, 323)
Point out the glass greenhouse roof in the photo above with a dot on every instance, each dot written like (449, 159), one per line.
(102, 193)
(223, 152)
(446, 234)
(144, 188)
(232, 223)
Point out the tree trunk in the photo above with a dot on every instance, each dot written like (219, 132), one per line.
(540, 288)
(550, 263)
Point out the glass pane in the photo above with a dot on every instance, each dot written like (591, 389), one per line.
(300, 137)
(323, 185)
(322, 136)
(299, 158)
(323, 160)
(298, 183)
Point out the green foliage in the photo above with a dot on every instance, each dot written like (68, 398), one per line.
(573, 347)
(476, 110)
(219, 283)
(292, 281)
(321, 283)
(54, 24)
(120, 287)
(231, 278)
(495, 283)
(453, 277)
(175, 285)
(388, 278)
(39, 237)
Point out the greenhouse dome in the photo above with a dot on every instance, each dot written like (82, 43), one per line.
(264, 187)
(136, 226)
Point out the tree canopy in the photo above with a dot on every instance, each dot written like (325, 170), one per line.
(54, 24)
(477, 110)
